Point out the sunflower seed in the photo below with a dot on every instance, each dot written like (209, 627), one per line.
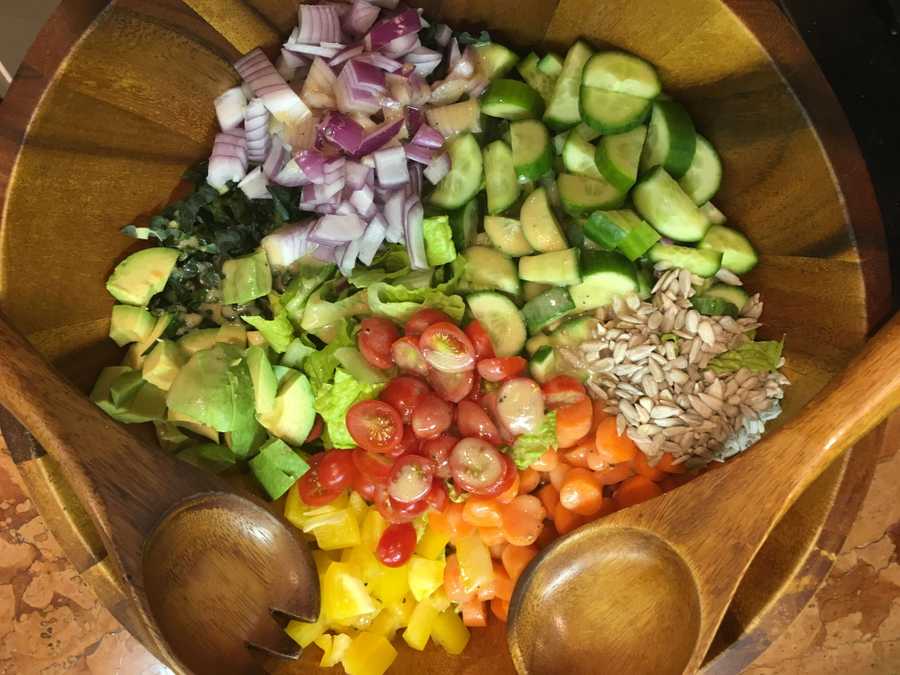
(621, 424)
(661, 412)
(706, 332)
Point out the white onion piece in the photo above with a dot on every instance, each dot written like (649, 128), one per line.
(414, 234)
(318, 87)
(360, 18)
(362, 199)
(394, 213)
(287, 244)
(348, 260)
(255, 185)
(337, 229)
(390, 165)
(230, 108)
(439, 167)
(256, 125)
(318, 23)
(371, 241)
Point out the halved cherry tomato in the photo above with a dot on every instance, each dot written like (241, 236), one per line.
(446, 348)
(581, 493)
(431, 417)
(476, 392)
(411, 478)
(316, 430)
(365, 486)
(453, 387)
(489, 402)
(612, 447)
(484, 348)
(419, 321)
(520, 405)
(509, 489)
(482, 512)
(409, 443)
(478, 467)
(472, 420)
(642, 466)
(516, 558)
(635, 490)
(335, 470)
(563, 390)
(523, 520)
(396, 545)
(376, 335)
(375, 426)
(437, 497)
(573, 422)
(397, 512)
(499, 369)
(438, 451)
(405, 353)
(312, 492)
(403, 393)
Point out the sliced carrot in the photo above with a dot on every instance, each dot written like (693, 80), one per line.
(642, 466)
(437, 521)
(635, 490)
(486, 592)
(578, 454)
(491, 536)
(667, 464)
(612, 447)
(573, 421)
(565, 520)
(473, 613)
(523, 520)
(509, 493)
(503, 584)
(530, 505)
(547, 461)
(529, 479)
(558, 475)
(516, 558)
(500, 608)
(581, 493)
(599, 415)
(549, 497)
(482, 512)
(547, 536)
(614, 474)
(609, 506)
(453, 581)
(562, 390)
(456, 524)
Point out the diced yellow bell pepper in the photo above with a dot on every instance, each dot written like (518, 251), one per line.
(476, 569)
(386, 623)
(372, 528)
(439, 599)
(390, 584)
(420, 624)
(303, 633)
(344, 596)
(297, 513)
(402, 610)
(433, 544)
(334, 530)
(323, 561)
(334, 648)
(450, 632)
(358, 506)
(360, 559)
(425, 576)
(369, 654)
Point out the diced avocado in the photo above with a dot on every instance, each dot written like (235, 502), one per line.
(263, 377)
(199, 340)
(162, 323)
(605, 275)
(210, 457)
(557, 268)
(169, 436)
(294, 413)
(189, 423)
(246, 278)
(439, 248)
(162, 364)
(204, 387)
(543, 364)
(352, 360)
(574, 331)
(124, 387)
(134, 358)
(142, 275)
(296, 353)
(246, 434)
(123, 395)
(107, 376)
(277, 467)
(130, 324)
(232, 335)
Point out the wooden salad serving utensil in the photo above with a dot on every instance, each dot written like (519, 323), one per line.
(643, 591)
(212, 573)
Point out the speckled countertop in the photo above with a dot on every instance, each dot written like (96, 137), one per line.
(51, 623)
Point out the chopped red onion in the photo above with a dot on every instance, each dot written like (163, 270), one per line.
(223, 170)
(425, 60)
(318, 87)
(368, 161)
(438, 168)
(394, 213)
(357, 175)
(379, 60)
(268, 85)
(319, 23)
(325, 253)
(420, 92)
(343, 132)
(312, 163)
(289, 63)
(414, 119)
(365, 76)
(378, 137)
(255, 185)
(414, 234)
(335, 164)
(360, 18)
(419, 153)
(385, 31)
(275, 159)
(346, 209)
(415, 179)
(288, 243)
(350, 99)
(442, 34)
(477, 86)
(390, 164)
(429, 137)
(372, 239)
(348, 260)
(387, 4)
(337, 229)
(347, 54)
(453, 54)
(230, 108)
(291, 175)
(314, 50)
(256, 125)
(362, 199)
(402, 45)
(464, 66)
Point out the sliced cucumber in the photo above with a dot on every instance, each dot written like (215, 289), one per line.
(671, 140)
(622, 230)
(733, 294)
(531, 290)
(610, 112)
(563, 110)
(466, 170)
(512, 100)
(713, 215)
(536, 342)
(574, 230)
(702, 262)
(488, 269)
(501, 319)
(578, 157)
(464, 224)
(574, 331)
(546, 308)
(456, 118)
(532, 153)
(495, 60)
(506, 235)
(704, 176)
(619, 155)
(661, 202)
(605, 274)
(738, 254)
(581, 195)
(539, 224)
(541, 82)
(551, 64)
(557, 268)
(587, 132)
(708, 306)
(645, 281)
(500, 180)
(623, 73)
(542, 365)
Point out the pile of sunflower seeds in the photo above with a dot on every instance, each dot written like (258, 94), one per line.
(649, 362)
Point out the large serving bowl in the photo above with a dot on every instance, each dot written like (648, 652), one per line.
(115, 101)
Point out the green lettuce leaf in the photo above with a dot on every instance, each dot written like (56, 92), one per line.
(334, 400)
(319, 366)
(399, 303)
(389, 266)
(328, 304)
(529, 447)
(279, 332)
(439, 246)
(310, 274)
(759, 357)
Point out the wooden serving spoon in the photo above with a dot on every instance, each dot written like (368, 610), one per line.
(209, 570)
(644, 589)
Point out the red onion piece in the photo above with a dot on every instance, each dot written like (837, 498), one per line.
(360, 18)
(230, 108)
(429, 137)
(349, 99)
(365, 76)
(336, 229)
(288, 243)
(312, 163)
(415, 179)
(346, 209)
(477, 86)
(387, 4)
(405, 23)
(268, 85)
(348, 260)
(324, 253)
(371, 241)
(357, 175)
(228, 161)
(362, 199)
(419, 153)
(255, 185)
(318, 23)
(379, 60)
(275, 159)
(291, 175)
(343, 132)
(415, 237)
(314, 50)
(425, 60)
(442, 34)
(318, 87)
(438, 168)
(347, 54)
(335, 164)
(394, 213)
(402, 45)
(464, 66)
(378, 137)
(289, 63)
(256, 125)
(414, 119)
(390, 165)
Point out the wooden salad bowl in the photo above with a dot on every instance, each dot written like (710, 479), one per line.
(114, 102)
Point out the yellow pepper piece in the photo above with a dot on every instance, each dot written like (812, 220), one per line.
(390, 584)
(372, 528)
(425, 576)
(369, 654)
(344, 596)
(303, 633)
(450, 632)
(334, 648)
(297, 512)
(386, 623)
(334, 530)
(420, 624)
(358, 506)
(323, 560)
(476, 568)
(433, 544)
(360, 559)
(439, 599)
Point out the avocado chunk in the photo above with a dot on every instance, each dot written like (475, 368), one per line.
(246, 278)
(232, 335)
(192, 425)
(169, 436)
(246, 433)
(205, 387)
(123, 395)
(293, 414)
(210, 457)
(142, 275)
(265, 386)
(199, 340)
(277, 467)
(162, 364)
(130, 324)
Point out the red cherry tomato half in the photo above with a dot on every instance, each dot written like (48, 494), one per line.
(376, 335)
(312, 492)
(472, 420)
(437, 497)
(403, 393)
(520, 405)
(499, 369)
(396, 545)
(419, 321)
(408, 444)
(397, 512)
(476, 392)
(336, 469)
(405, 353)
(432, 417)
(562, 390)
(375, 426)
(489, 402)
(453, 387)
(374, 466)
(438, 451)
(484, 348)
(477, 467)
(411, 478)
(316, 430)
(365, 486)
(446, 348)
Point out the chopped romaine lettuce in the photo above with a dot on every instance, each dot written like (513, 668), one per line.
(329, 304)
(399, 303)
(334, 400)
(310, 274)
(278, 332)
(529, 447)
(319, 366)
(439, 246)
(759, 357)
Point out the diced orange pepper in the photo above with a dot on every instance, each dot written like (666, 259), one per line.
(473, 613)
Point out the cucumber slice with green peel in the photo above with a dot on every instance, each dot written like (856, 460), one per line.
(702, 262)
(557, 268)
(563, 110)
(671, 139)
(709, 306)
(494, 60)
(712, 214)
(506, 235)
(464, 224)
(587, 132)
(546, 308)
(542, 365)
(531, 290)
(611, 112)
(488, 269)
(531, 149)
(645, 281)
(618, 157)
(512, 100)
(704, 176)
(578, 157)
(538, 80)
(456, 118)
(659, 199)
(539, 224)
(574, 230)
(500, 180)
(622, 73)
(573, 332)
(582, 195)
(733, 294)
(551, 64)
(605, 274)
(536, 342)
(466, 171)
(622, 230)
(738, 254)
(501, 319)
(559, 142)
